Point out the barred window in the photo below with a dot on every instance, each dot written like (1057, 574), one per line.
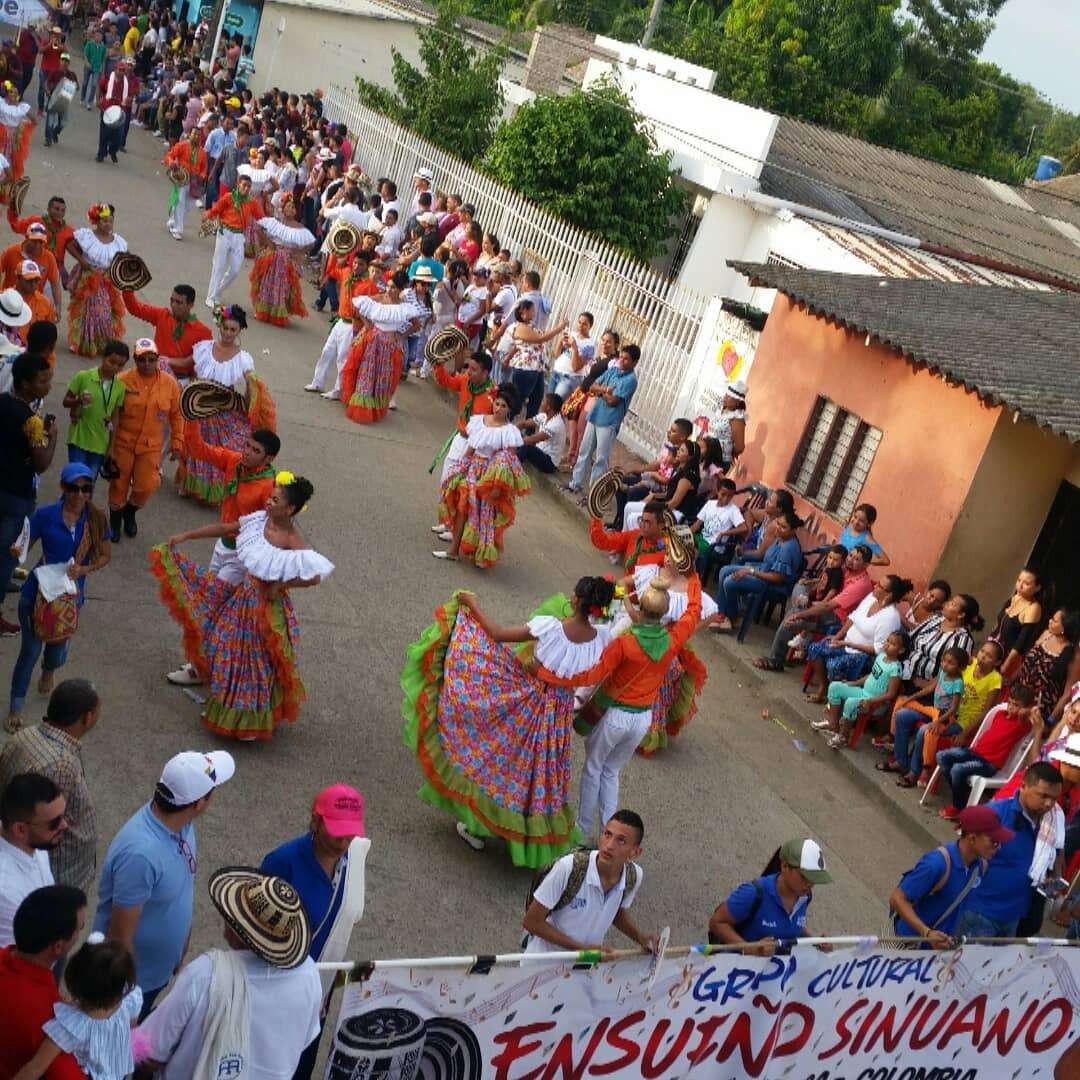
(833, 458)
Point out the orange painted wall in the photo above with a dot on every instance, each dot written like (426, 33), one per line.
(933, 435)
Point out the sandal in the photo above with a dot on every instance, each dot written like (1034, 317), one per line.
(888, 766)
(767, 663)
(905, 781)
(816, 699)
(13, 723)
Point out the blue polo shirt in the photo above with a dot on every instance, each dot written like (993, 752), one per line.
(1005, 892)
(149, 866)
(624, 383)
(295, 862)
(771, 920)
(927, 872)
(58, 542)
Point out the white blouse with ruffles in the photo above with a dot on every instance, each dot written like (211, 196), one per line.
(290, 236)
(232, 373)
(99, 255)
(487, 441)
(13, 115)
(392, 318)
(677, 601)
(558, 653)
(265, 561)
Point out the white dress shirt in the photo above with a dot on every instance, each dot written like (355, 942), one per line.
(20, 875)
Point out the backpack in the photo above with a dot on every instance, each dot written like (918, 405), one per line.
(972, 882)
(759, 894)
(578, 870)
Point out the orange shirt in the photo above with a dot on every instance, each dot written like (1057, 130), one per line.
(148, 402)
(630, 545)
(471, 401)
(168, 344)
(236, 219)
(630, 677)
(42, 309)
(181, 154)
(249, 491)
(12, 259)
(58, 238)
(347, 294)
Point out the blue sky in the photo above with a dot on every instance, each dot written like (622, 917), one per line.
(1038, 41)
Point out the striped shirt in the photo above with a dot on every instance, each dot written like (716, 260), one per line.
(50, 751)
(928, 645)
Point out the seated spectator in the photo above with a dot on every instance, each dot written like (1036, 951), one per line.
(912, 717)
(825, 584)
(776, 572)
(824, 616)
(773, 907)
(763, 525)
(717, 528)
(849, 652)
(680, 494)
(953, 627)
(1004, 727)
(875, 691)
(859, 530)
(923, 604)
(545, 436)
(712, 465)
(654, 475)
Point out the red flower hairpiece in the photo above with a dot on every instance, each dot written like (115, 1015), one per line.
(98, 211)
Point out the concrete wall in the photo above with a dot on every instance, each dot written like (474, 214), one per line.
(301, 47)
(934, 436)
(1005, 509)
(651, 60)
(723, 234)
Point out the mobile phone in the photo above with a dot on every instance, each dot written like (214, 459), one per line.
(1053, 888)
(50, 418)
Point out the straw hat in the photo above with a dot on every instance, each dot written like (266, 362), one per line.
(602, 492)
(19, 188)
(445, 345)
(201, 399)
(343, 238)
(265, 912)
(128, 272)
(681, 548)
(178, 175)
(14, 310)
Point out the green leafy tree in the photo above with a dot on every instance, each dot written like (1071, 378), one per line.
(454, 99)
(587, 158)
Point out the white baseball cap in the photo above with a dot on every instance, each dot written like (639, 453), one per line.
(191, 775)
(424, 173)
(805, 855)
(1069, 754)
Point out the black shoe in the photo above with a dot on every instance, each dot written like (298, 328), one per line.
(114, 159)
(116, 517)
(99, 158)
(131, 526)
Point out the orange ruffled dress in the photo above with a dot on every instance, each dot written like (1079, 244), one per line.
(276, 288)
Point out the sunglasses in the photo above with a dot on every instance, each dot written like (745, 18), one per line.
(82, 489)
(146, 358)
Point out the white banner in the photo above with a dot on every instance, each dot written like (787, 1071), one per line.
(24, 12)
(978, 1013)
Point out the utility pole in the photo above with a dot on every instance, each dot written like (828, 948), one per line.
(651, 25)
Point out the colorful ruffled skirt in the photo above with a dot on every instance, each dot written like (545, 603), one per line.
(371, 375)
(202, 480)
(95, 315)
(676, 702)
(492, 740)
(242, 643)
(484, 490)
(276, 292)
(15, 146)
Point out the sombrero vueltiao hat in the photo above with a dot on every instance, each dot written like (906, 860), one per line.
(681, 547)
(602, 492)
(128, 272)
(201, 399)
(265, 912)
(445, 345)
(343, 239)
(19, 188)
(178, 175)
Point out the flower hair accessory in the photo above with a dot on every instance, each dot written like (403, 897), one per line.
(284, 478)
(34, 430)
(99, 212)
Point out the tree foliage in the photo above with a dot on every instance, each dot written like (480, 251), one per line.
(455, 99)
(586, 158)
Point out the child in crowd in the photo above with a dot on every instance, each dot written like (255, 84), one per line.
(873, 691)
(1004, 727)
(821, 587)
(93, 396)
(717, 529)
(911, 717)
(545, 435)
(96, 1027)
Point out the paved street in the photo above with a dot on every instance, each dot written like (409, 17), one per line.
(716, 804)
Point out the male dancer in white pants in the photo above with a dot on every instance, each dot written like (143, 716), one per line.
(339, 340)
(234, 211)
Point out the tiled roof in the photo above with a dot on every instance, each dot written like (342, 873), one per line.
(1012, 347)
(872, 184)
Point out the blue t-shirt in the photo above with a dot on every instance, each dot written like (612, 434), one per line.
(783, 557)
(852, 539)
(918, 882)
(1005, 893)
(150, 867)
(771, 918)
(945, 689)
(295, 862)
(624, 383)
(58, 542)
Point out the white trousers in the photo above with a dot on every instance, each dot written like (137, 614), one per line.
(456, 452)
(226, 564)
(228, 258)
(336, 351)
(610, 746)
(180, 212)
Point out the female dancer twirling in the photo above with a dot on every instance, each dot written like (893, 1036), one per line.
(276, 290)
(225, 362)
(96, 313)
(242, 638)
(491, 738)
(16, 132)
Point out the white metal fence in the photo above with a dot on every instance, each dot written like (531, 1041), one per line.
(579, 271)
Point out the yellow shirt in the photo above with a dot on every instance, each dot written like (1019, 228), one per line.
(977, 694)
(131, 41)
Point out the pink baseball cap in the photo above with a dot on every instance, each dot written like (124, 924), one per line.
(342, 810)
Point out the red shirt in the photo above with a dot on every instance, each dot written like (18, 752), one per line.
(29, 993)
(252, 490)
(856, 588)
(50, 58)
(471, 402)
(1002, 733)
(118, 97)
(161, 319)
(634, 550)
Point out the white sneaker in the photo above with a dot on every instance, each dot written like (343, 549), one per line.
(838, 741)
(331, 395)
(438, 528)
(824, 724)
(445, 535)
(210, 302)
(393, 404)
(313, 388)
(797, 642)
(184, 676)
(199, 203)
(475, 842)
(175, 235)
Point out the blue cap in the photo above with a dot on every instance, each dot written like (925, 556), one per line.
(75, 470)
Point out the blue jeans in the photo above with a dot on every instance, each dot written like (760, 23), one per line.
(42, 93)
(54, 124)
(90, 80)
(564, 385)
(29, 650)
(86, 457)
(13, 512)
(960, 764)
(975, 924)
(729, 593)
(530, 388)
(917, 744)
(412, 352)
(596, 445)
